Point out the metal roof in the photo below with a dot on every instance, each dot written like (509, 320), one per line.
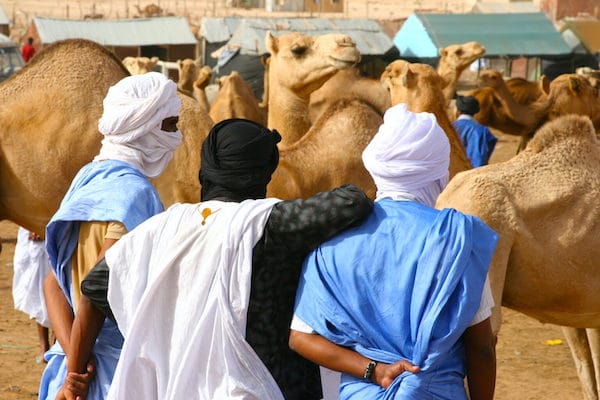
(586, 30)
(249, 33)
(125, 32)
(508, 34)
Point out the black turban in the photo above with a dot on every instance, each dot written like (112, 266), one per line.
(467, 105)
(238, 158)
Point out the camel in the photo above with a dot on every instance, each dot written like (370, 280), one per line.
(188, 73)
(348, 83)
(524, 91)
(543, 203)
(200, 84)
(139, 65)
(149, 11)
(299, 65)
(454, 59)
(235, 99)
(420, 87)
(500, 110)
(574, 94)
(327, 154)
(49, 130)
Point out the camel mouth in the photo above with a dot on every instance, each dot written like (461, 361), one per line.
(344, 62)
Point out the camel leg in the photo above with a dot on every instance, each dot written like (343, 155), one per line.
(594, 341)
(581, 352)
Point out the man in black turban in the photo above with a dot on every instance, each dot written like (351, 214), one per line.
(479, 142)
(228, 272)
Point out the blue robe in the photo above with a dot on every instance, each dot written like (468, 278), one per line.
(479, 142)
(102, 191)
(402, 286)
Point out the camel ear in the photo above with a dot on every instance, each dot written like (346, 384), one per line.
(574, 85)
(442, 51)
(407, 76)
(154, 59)
(545, 84)
(271, 43)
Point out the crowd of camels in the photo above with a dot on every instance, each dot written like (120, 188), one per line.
(543, 202)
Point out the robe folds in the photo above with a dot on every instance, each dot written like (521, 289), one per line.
(101, 191)
(402, 286)
(179, 289)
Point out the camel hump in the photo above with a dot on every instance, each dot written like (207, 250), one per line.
(578, 127)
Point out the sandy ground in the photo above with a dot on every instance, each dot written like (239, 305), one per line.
(528, 368)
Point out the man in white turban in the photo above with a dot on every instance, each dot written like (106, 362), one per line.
(396, 303)
(108, 197)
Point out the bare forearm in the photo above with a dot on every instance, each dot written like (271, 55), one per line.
(323, 352)
(86, 327)
(59, 311)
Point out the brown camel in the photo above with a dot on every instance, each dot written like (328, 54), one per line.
(524, 91)
(500, 110)
(454, 59)
(320, 156)
(544, 205)
(49, 130)
(200, 84)
(299, 65)
(235, 99)
(420, 87)
(348, 83)
(574, 94)
(188, 73)
(139, 65)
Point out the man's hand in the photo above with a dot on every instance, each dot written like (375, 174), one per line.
(76, 385)
(384, 374)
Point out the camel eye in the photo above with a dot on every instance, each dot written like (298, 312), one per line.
(458, 52)
(298, 50)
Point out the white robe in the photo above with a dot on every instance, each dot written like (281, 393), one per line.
(179, 290)
(31, 266)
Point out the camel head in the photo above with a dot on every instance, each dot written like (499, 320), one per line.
(573, 94)
(306, 62)
(203, 79)
(460, 56)
(490, 78)
(139, 65)
(188, 72)
(417, 85)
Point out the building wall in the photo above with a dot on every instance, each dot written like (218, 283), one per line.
(324, 5)
(559, 9)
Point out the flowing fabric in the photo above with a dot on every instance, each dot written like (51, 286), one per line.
(179, 288)
(31, 265)
(403, 286)
(102, 191)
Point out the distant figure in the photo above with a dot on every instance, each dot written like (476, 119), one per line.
(479, 142)
(31, 265)
(28, 51)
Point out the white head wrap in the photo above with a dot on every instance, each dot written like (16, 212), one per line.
(409, 156)
(131, 123)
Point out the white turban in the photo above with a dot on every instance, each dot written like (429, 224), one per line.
(409, 156)
(134, 109)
